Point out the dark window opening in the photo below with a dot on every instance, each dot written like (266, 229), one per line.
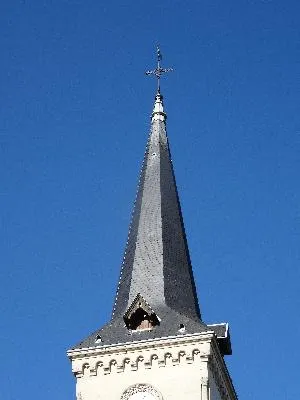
(98, 339)
(140, 320)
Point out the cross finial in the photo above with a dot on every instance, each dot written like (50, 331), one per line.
(158, 71)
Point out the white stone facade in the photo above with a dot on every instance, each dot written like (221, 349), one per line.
(183, 367)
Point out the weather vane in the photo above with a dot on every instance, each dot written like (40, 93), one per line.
(158, 71)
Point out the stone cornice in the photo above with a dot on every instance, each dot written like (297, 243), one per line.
(159, 353)
(140, 345)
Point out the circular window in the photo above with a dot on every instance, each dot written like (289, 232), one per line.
(141, 391)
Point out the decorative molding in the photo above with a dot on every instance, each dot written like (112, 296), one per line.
(141, 388)
(187, 339)
(106, 365)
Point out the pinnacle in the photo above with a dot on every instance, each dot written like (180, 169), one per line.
(158, 113)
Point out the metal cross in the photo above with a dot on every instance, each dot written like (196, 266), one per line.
(158, 71)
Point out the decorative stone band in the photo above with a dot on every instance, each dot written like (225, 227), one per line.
(131, 356)
(154, 360)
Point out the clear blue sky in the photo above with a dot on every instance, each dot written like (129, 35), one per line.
(74, 112)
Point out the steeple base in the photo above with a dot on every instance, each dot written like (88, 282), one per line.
(189, 367)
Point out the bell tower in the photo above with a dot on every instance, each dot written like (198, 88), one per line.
(156, 346)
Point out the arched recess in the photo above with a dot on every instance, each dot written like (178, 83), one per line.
(140, 315)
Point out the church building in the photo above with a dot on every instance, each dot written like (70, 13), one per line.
(156, 345)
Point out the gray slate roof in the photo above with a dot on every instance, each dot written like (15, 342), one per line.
(156, 263)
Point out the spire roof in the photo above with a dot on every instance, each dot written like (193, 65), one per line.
(157, 262)
(156, 294)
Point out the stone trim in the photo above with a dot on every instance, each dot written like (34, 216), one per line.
(141, 387)
(141, 344)
(104, 366)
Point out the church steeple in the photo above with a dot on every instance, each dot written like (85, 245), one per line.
(156, 294)
(156, 345)
(157, 263)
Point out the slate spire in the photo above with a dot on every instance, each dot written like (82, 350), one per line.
(156, 295)
(157, 264)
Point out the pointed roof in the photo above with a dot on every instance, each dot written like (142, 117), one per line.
(156, 267)
(157, 262)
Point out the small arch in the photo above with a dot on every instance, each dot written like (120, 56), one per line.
(168, 358)
(85, 368)
(196, 355)
(113, 365)
(181, 356)
(154, 359)
(126, 363)
(196, 352)
(99, 365)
